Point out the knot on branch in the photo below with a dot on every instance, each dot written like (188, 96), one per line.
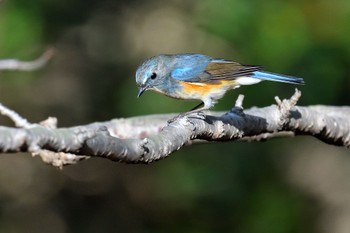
(50, 123)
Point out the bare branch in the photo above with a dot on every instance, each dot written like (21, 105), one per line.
(146, 139)
(14, 64)
(15, 117)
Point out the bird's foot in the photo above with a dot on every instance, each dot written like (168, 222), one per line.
(197, 115)
(193, 114)
(176, 117)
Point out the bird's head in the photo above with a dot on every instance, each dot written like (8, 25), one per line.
(151, 74)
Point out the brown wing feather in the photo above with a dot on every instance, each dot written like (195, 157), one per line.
(229, 70)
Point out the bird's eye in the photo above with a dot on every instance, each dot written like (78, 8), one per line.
(153, 75)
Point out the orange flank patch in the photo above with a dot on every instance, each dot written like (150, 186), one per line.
(199, 90)
(206, 88)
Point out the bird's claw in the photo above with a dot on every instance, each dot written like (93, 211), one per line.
(174, 119)
(196, 115)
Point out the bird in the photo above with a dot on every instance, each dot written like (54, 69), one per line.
(191, 76)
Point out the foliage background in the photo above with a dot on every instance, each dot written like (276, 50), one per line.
(285, 185)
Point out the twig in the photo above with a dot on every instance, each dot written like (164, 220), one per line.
(15, 117)
(285, 107)
(14, 64)
(239, 101)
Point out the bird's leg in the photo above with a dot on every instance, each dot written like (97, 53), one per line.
(197, 108)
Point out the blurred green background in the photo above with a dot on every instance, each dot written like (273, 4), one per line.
(284, 185)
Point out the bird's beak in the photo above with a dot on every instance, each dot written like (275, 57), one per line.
(141, 90)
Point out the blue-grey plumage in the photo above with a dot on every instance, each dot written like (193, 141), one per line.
(200, 77)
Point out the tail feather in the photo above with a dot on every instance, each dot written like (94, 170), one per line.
(277, 77)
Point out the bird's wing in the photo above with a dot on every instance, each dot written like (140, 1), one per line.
(191, 68)
(213, 71)
(223, 69)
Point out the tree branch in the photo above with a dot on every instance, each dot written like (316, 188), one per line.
(147, 139)
(14, 64)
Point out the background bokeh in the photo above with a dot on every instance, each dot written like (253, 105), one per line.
(284, 185)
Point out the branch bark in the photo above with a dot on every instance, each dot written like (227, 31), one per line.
(147, 139)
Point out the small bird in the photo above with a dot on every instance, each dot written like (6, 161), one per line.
(200, 77)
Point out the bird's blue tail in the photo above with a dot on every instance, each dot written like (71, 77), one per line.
(277, 77)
